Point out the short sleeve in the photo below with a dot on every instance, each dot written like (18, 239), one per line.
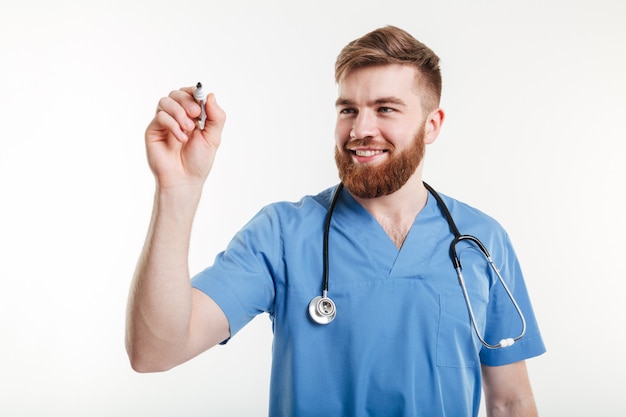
(241, 279)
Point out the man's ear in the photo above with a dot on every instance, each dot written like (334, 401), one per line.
(433, 125)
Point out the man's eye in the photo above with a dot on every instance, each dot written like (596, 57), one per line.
(385, 110)
(347, 111)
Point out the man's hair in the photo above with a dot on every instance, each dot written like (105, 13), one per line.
(392, 45)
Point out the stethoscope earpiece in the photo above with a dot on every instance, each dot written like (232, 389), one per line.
(322, 310)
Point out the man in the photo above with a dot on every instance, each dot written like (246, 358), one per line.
(398, 339)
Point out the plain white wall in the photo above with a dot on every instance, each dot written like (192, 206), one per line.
(535, 95)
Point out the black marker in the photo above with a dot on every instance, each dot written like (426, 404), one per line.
(200, 97)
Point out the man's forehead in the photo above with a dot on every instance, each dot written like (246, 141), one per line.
(380, 84)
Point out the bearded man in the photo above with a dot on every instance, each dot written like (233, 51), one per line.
(387, 331)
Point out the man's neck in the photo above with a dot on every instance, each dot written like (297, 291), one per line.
(396, 212)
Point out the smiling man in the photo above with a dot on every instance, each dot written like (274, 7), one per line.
(396, 338)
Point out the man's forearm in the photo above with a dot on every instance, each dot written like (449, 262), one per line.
(522, 407)
(160, 303)
(507, 391)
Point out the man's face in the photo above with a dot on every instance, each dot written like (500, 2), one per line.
(380, 129)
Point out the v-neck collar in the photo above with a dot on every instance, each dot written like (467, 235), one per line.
(381, 252)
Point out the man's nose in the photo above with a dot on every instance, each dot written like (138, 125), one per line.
(364, 126)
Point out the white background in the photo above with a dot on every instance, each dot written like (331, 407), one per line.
(535, 94)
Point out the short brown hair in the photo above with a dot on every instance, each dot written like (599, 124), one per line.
(392, 45)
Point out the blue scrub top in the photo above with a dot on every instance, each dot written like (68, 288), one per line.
(402, 342)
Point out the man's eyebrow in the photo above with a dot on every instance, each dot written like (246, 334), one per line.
(389, 100)
(382, 100)
(343, 102)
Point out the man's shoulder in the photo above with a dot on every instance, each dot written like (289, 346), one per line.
(305, 209)
(468, 216)
(319, 201)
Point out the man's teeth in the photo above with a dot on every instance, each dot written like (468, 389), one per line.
(367, 152)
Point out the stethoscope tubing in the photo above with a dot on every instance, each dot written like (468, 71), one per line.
(456, 262)
(323, 310)
(329, 216)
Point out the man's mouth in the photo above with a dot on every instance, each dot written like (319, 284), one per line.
(367, 152)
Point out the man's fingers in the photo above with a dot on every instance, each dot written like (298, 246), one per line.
(177, 112)
(164, 121)
(173, 116)
(215, 114)
(184, 97)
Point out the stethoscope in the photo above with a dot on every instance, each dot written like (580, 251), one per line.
(323, 310)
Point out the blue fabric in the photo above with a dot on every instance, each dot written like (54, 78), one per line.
(402, 343)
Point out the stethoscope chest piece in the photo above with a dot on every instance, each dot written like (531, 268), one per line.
(322, 310)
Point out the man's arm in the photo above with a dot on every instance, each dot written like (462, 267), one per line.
(507, 391)
(168, 322)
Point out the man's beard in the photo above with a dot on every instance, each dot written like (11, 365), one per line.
(374, 181)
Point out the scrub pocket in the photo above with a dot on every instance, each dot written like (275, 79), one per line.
(457, 346)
